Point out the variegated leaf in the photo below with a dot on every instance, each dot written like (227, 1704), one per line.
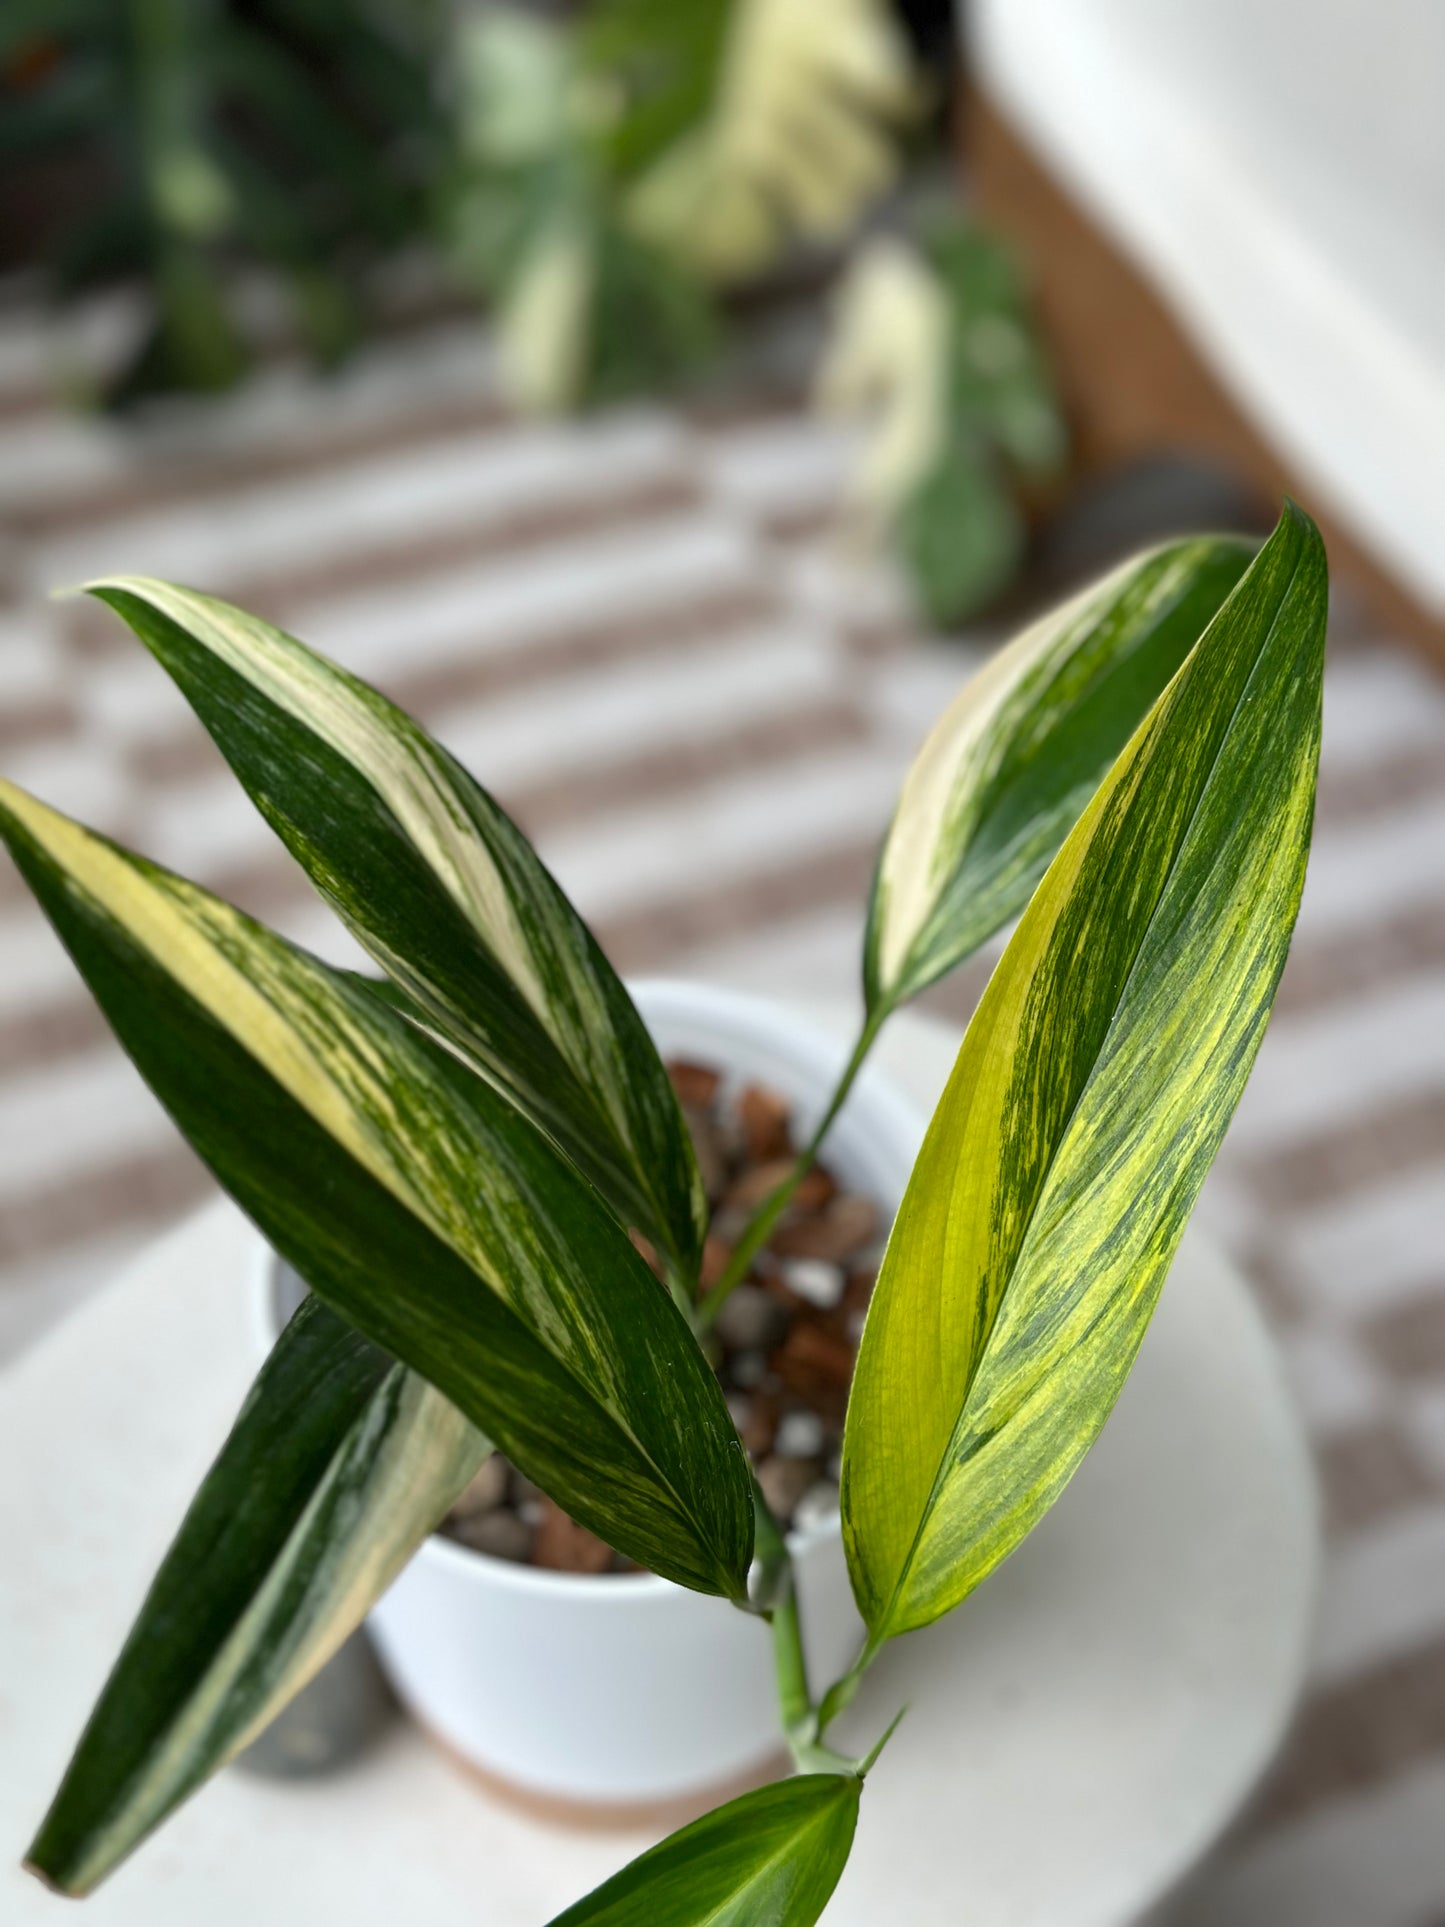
(802, 137)
(770, 1859)
(1003, 775)
(1091, 1093)
(340, 1464)
(412, 1197)
(444, 891)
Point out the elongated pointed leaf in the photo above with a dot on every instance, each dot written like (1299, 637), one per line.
(1091, 1093)
(443, 889)
(340, 1464)
(770, 1859)
(1003, 775)
(413, 1198)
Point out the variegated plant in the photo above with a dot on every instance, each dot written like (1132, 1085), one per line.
(454, 1157)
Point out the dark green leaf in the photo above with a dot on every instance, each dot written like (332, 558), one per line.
(961, 536)
(770, 1859)
(413, 1197)
(444, 891)
(339, 1465)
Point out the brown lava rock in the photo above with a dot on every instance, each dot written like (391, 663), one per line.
(696, 1084)
(838, 1232)
(783, 1347)
(565, 1546)
(765, 1121)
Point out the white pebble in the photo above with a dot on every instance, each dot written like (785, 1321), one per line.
(817, 1507)
(800, 1436)
(821, 1283)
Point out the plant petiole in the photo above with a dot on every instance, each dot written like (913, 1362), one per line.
(756, 1232)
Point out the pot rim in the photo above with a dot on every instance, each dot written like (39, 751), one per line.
(696, 999)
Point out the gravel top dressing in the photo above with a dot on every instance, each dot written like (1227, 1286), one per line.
(783, 1346)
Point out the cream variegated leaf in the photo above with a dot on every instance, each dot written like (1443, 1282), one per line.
(801, 138)
(444, 891)
(1094, 1085)
(339, 1465)
(413, 1197)
(887, 365)
(1003, 775)
(514, 84)
(542, 324)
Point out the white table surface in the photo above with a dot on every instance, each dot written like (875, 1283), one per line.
(1079, 1731)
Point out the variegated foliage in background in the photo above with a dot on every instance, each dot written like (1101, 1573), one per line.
(1092, 1090)
(437, 882)
(1006, 770)
(339, 1465)
(802, 135)
(935, 351)
(413, 1197)
(887, 364)
(585, 308)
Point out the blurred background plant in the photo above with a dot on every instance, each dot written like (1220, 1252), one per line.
(175, 143)
(933, 346)
(622, 184)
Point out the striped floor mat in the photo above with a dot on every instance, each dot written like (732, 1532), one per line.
(641, 635)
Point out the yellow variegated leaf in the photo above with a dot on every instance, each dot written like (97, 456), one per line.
(801, 138)
(413, 1197)
(445, 892)
(1092, 1090)
(1006, 770)
(340, 1464)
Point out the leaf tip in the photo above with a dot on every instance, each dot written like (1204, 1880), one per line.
(1301, 523)
(892, 1727)
(31, 1865)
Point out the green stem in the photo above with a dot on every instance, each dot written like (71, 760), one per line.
(802, 1721)
(778, 1599)
(796, 1711)
(759, 1227)
(839, 1695)
(795, 1703)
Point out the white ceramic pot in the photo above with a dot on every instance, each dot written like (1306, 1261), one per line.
(626, 1690)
